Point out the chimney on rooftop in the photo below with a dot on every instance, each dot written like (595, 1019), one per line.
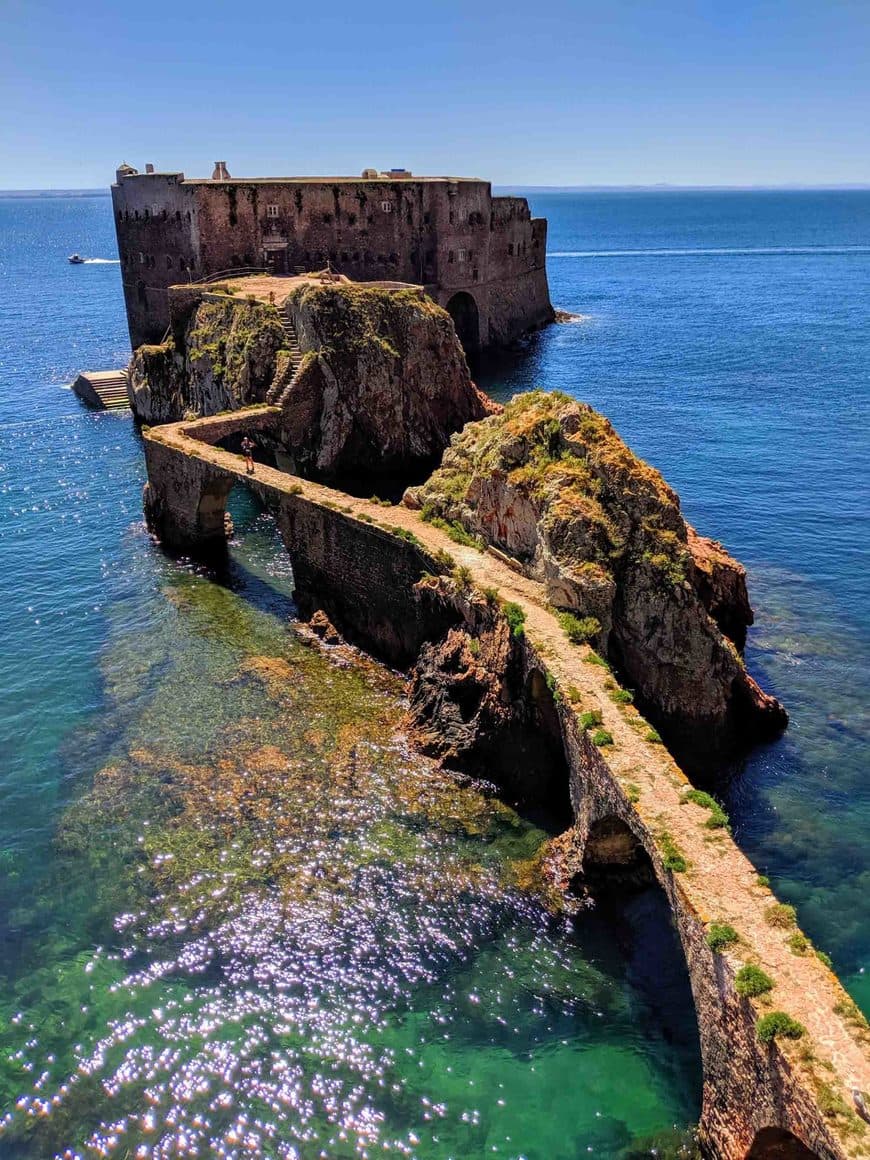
(221, 172)
(149, 168)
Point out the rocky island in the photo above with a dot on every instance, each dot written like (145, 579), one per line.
(563, 630)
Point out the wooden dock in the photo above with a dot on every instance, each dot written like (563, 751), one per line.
(103, 390)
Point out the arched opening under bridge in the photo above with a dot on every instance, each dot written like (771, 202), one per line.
(778, 1144)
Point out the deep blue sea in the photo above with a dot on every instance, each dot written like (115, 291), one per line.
(235, 911)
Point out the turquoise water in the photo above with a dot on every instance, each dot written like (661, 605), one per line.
(235, 911)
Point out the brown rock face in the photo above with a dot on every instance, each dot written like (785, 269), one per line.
(550, 483)
(383, 386)
(223, 358)
(475, 704)
(720, 581)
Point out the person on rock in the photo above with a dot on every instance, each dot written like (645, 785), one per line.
(248, 452)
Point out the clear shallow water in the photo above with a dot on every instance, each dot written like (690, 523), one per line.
(233, 907)
(236, 914)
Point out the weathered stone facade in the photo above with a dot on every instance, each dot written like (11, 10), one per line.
(481, 257)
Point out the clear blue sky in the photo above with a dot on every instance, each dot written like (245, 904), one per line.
(608, 92)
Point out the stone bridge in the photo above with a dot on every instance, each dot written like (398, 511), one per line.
(361, 562)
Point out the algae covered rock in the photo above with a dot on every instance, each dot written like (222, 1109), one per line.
(383, 383)
(549, 482)
(223, 358)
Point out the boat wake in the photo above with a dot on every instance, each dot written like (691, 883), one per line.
(710, 252)
(102, 262)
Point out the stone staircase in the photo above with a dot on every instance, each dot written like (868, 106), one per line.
(281, 388)
(103, 390)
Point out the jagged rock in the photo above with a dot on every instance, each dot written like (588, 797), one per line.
(322, 626)
(383, 386)
(221, 358)
(550, 483)
(475, 703)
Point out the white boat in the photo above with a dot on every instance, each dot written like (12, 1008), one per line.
(76, 260)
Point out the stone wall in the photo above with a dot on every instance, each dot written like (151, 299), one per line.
(443, 233)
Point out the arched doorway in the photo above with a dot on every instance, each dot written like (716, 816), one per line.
(466, 318)
(778, 1144)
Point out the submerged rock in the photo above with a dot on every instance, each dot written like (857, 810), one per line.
(550, 483)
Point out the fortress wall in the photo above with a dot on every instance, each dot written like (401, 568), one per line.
(447, 235)
(155, 222)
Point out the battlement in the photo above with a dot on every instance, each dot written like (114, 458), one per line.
(481, 257)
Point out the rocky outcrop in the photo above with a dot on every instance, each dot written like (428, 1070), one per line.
(222, 357)
(478, 704)
(382, 387)
(551, 484)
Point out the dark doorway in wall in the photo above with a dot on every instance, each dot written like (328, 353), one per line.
(463, 310)
(276, 261)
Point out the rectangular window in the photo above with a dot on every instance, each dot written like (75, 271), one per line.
(387, 206)
(462, 255)
(450, 255)
(272, 211)
(510, 249)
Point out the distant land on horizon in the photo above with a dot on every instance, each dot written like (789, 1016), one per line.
(661, 187)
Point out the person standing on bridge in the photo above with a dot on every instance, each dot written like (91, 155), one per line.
(248, 452)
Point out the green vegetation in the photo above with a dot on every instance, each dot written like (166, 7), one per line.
(516, 618)
(405, 534)
(778, 1025)
(601, 737)
(825, 959)
(622, 697)
(295, 489)
(718, 819)
(798, 943)
(474, 647)
(721, 935)
(849, 1011)
(574, 695)
(591, 719)
(763, 880)
(443, 559)
(633, 792)
(462, 575)
(672, 856)
(554, 691)
(491, 596)
(781, 915)
(579, 630)
(673, 570)
(654, 736)
(594, 659)
(454, 529)
(751, 981)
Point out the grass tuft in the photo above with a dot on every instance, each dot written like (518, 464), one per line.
(778, 1025)
(721, 935)
(751, 981)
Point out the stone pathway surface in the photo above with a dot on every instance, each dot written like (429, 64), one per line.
(720, 883)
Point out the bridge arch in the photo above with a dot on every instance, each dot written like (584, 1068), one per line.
(465, 313)
(778, 1144)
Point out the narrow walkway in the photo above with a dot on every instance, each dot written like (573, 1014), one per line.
(720, 885)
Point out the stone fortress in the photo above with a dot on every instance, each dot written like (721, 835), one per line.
(481, 257)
